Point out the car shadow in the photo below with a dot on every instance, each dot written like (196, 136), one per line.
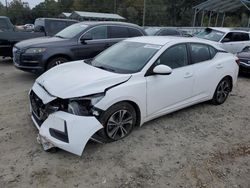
(244, 74)
(6, 61)
(6, 65)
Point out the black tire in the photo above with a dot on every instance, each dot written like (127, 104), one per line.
(222, 91)
(56, 61)
(117, 120)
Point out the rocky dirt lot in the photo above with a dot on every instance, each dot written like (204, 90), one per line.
(201, 146)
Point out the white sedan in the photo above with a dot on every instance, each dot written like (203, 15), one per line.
(132, 82)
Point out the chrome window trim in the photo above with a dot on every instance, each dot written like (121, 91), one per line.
(95, 40)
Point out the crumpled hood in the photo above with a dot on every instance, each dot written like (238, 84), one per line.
(77, 79)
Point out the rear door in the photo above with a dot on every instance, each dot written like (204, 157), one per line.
(207, 69)
(91, 48)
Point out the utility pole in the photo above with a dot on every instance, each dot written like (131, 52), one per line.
(115, 4)
(6, 4)
(144, 13)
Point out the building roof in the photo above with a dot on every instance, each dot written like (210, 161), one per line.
(222, 6)
(97, 15)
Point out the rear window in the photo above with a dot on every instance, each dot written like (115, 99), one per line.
(213, 51)
(118, 32)
(134, 32)
(200, 53)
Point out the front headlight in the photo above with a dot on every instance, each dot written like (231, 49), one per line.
(35, 50)
(83, 105)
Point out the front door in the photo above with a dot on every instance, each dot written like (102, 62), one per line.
(166, 92)
(97, 42)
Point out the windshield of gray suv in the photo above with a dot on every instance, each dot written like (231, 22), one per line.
(71, 31)
(125, 57)
(211, 34)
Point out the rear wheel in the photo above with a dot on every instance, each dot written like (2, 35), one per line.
(118, 121)
(56, 61)
(222, 91)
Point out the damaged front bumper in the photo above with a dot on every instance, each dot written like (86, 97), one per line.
(67, 131)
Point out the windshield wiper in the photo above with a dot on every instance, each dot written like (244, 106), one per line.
(59, 36)
(105, 68)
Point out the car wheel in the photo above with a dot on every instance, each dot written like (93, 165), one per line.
(222, 91)
(56, 61)
(118, 121)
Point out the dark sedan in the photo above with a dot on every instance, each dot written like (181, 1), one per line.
(244, 57)
(79, 41)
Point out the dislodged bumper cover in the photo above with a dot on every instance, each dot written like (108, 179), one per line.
(76, 130)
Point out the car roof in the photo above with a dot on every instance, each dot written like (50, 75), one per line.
(162, 40)
(227, 29)
(59, 19)
(91, 23)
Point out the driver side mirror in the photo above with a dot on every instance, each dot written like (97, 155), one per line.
(162, 70)
(226, 40)
(86, 37)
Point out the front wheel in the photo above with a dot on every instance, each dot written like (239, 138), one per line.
(118, 121)
(56, 61)
(222, 91)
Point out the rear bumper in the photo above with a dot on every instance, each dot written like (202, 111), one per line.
(67, 131)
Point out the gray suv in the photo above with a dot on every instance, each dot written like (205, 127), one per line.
(79, 41)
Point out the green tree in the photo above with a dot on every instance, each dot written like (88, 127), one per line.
(18, 13)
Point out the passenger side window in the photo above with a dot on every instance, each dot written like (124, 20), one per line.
(236, 37)
(174, 57)
(98, 32)
(118, 32)
(134, 32)
(199, 53)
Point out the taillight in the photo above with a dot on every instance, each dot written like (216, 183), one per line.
(237, 61)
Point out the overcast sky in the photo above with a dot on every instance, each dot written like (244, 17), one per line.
(32, 3)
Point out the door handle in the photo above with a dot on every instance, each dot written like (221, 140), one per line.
(188, 75)
(219, 66)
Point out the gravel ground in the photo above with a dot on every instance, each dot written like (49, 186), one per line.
(200, 146)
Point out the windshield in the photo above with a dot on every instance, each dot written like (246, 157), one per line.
(71, 31)
(125, 57)
(152, 30)
(210, 34)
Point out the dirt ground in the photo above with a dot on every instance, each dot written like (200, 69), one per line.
(200, 146)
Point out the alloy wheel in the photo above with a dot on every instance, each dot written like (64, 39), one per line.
(119, 124)
(223, 91)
